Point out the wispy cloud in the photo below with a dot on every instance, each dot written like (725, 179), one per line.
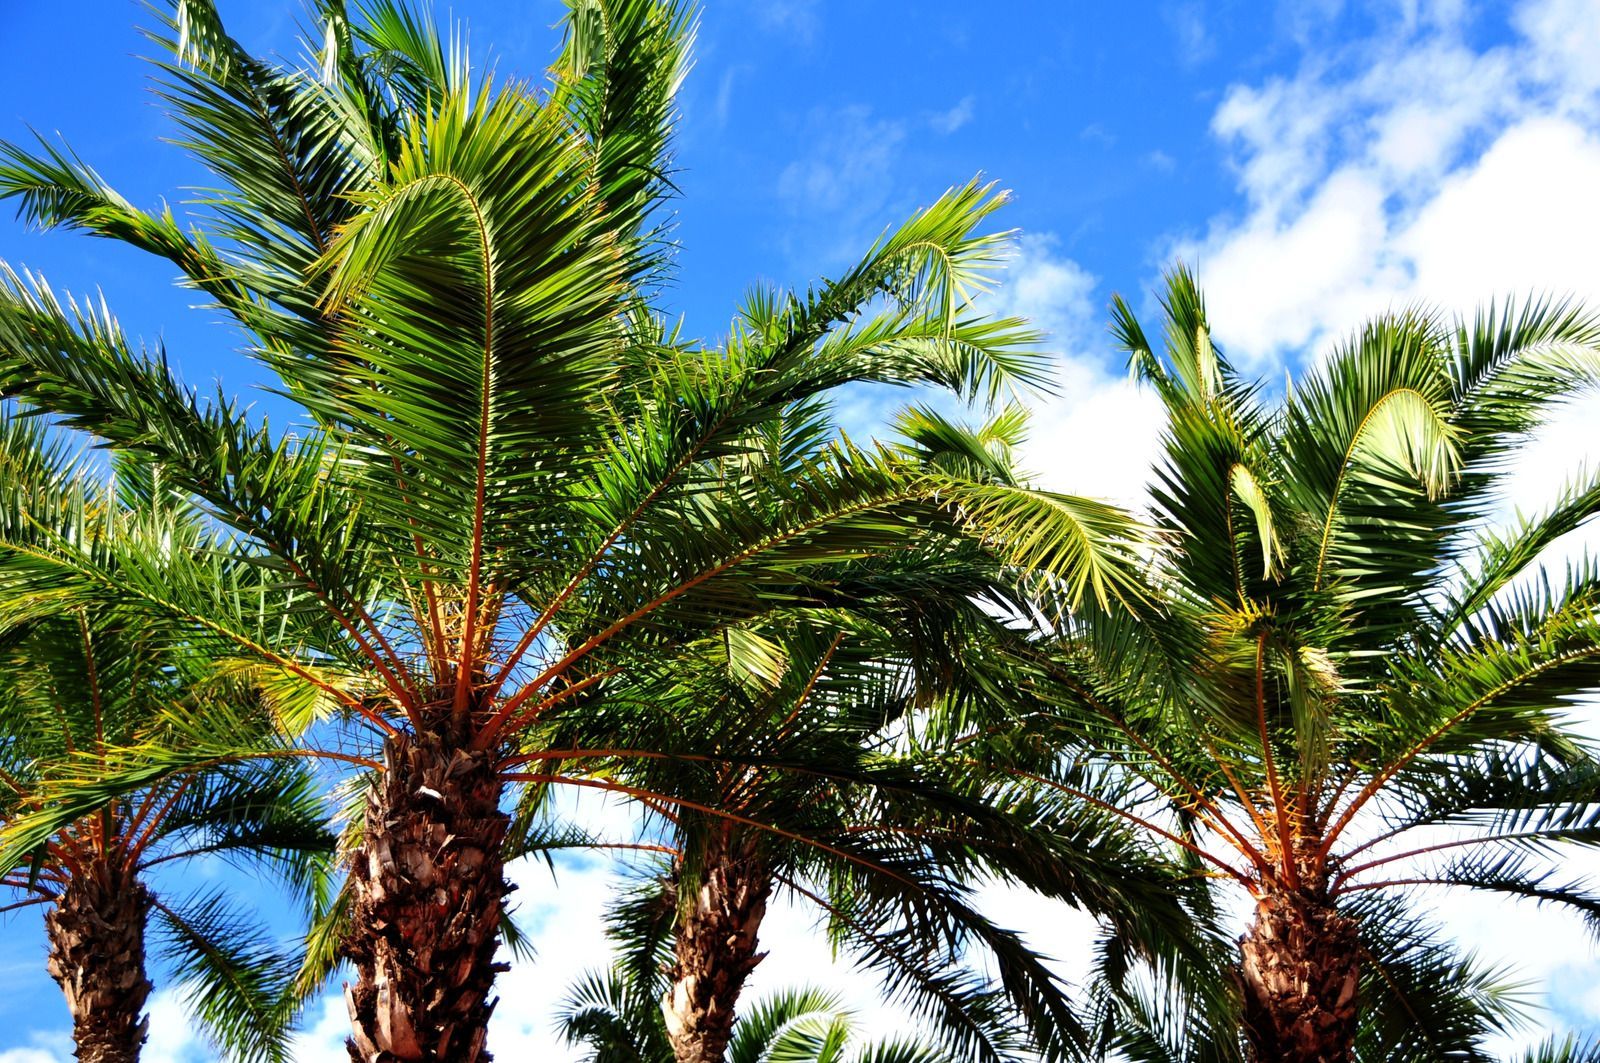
(722, 105)
(849, 164)
(799, 18)
(1192, 39)
(948, 122)
(1095, 133)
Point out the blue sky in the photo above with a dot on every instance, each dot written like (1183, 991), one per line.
(1318, 160)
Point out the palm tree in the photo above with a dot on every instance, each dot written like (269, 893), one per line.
(618, 1021)
(493, 514)
(817, 722)
(80, 682)
(1349, 685)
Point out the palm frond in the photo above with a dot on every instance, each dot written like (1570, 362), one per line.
(235, 979)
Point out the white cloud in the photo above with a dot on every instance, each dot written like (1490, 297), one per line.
(948, 122)
(1434, 172)
(1193, 40)
(1565, 35)
(1099, 437)
(1272, 287)
(798, 954)
(850, 163)
(1095, 133)
(1525, 217)
(1097, 434)
(1052, 291)
(324, 1029)
(41, 1048)
(173, 1037)
(565, 915)
(845, 183)
(1548, 464)
(1063, 935)
(722, 106)
(798, 18)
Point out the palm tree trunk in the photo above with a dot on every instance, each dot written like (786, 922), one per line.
(715, 949)
(1299, 970)
(428, 889)
(96, 935)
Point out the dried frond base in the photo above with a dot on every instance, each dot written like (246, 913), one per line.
(96, 935)
(428, 890)
(1299, 971)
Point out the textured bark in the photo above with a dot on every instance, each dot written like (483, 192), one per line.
(428, 887)
(716, 945)
(96, 934)
(1299, 970)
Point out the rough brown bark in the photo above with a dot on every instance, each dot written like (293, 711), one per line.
(715, 949)
(96, 935)
(428, 887)
(1299, 970)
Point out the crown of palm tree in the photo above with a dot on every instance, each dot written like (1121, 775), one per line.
(80, 683)
(1347, 683)
(512, 494)
(813, 734)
